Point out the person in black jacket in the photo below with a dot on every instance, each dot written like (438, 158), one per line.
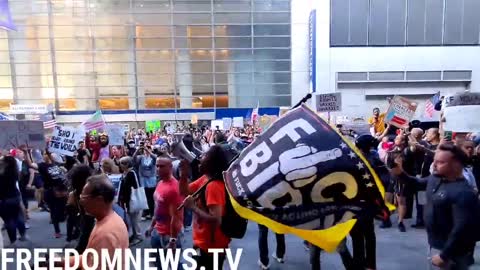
(450, 209)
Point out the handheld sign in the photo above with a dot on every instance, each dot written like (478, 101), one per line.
(329, 102)
(401, 111)
(115, 134)
(64, 141)
(461, 113)
(301, 177)
(227, 123)
(17, 133)
(238, 122)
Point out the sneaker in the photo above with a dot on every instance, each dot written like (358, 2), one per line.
(24, 238)
(188, 228)
(386, 224)
(143, 219)
(27, 226)
(279, 260)
(58, 235)
(401, 227)
(418, 225)
(263, 266)
(306, 246)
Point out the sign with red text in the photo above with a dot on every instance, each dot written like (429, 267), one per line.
(401, 111)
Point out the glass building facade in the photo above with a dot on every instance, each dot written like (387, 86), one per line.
(150, 54)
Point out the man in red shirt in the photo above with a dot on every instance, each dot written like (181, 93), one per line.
(208, 207)
(167, 223)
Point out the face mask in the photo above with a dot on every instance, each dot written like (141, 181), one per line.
(131, 145)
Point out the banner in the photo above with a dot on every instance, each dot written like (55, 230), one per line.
(266, 121)
(65, 141)
(400, 112)
(301, 177)
(329, 102)
(17, 133)
(30, 108)
(116, 134)
(238, 122)
(461, 113)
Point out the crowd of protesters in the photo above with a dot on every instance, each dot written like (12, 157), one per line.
(66, 186)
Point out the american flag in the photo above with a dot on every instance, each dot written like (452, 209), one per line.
(94, 122)
(48, 120)
(430, 105)
(254, 116)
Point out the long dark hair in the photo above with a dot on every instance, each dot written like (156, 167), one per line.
(78, 176)
(11, 168)
(214, 163)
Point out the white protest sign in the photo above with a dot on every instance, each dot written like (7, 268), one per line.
(329, 102)
(227, 123)
(217, 124)
(17, 133)
(238, 122)
(461, 113)
(64, 141)
(116, 134)
(400, 112)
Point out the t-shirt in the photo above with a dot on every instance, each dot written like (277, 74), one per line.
(52, 175)
(205, 235)
(167, 193)
(379, 125)
(110, 233)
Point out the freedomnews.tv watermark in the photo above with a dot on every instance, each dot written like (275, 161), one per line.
(139, 259)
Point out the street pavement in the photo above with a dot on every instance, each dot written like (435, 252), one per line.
(395, 250)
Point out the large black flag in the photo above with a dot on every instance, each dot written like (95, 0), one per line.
(301, 177)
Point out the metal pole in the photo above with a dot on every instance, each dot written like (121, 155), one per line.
(52, 54)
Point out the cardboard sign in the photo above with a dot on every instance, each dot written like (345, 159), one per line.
(329, 102)
(17, 133)
(153, 126)
(238, 122)
(217, 124)
(266, 121)
(64, 141)
(116, 134)
(302, 177)
(400, 112)
(227, 123)
(462, 113)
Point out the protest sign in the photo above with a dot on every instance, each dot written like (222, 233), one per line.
(18, 133)
(266, 121)
(400, 112)
(227, 123)
(302, 177)
(238, 122)
(194, 119)
(153, 126)
(115, 178)
(329, 102)
(461, 113)
(64, 141)
(116, 134)
(217, 124)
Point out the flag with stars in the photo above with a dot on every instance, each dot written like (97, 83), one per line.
(6, 20)
(301, 177)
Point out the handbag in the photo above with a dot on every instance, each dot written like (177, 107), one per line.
(138, 199)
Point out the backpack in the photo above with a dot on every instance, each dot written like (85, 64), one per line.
(232, 224)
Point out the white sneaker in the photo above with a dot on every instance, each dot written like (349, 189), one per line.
(279, 260)
(262, 266)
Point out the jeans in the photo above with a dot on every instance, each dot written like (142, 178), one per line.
(12, 215)
(341, 249)
(159, 241)
(57, 208)
(456, 263)
(364, 244)
(263, 244)
(187, 217)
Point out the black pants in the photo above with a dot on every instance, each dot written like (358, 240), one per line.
(364, 244)
(151, 202)
(57, 208)
(342, 249)
(419, 210)
(73, 223)
(263, 244)
(205, 259)
(11, 213)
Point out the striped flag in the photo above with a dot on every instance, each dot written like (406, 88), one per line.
(48, 120)
(94, 122)
(430, 105)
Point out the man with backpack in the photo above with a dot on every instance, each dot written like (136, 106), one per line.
(213, 213)
(452, 209)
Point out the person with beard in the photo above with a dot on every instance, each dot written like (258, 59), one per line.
(104, 149)
(56, 195)
(450, 211)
